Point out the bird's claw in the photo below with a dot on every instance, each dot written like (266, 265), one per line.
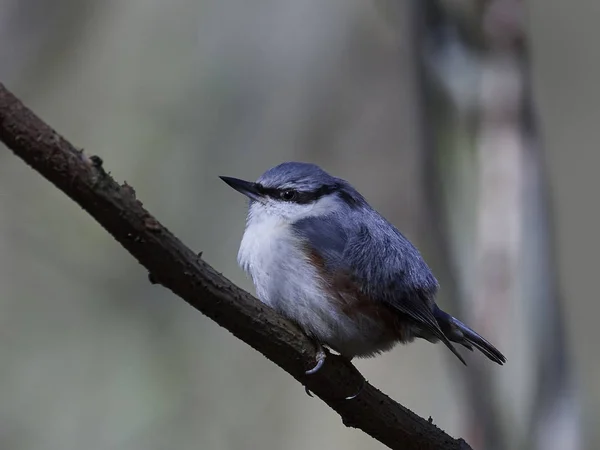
(320, 361)
(350, 397)
(307, 391)
(360, 389)
(320, 357)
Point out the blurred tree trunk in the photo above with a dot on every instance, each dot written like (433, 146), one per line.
(490, 215)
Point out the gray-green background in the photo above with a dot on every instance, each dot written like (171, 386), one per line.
(172, 94)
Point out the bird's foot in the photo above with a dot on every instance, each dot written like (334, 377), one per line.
(320, 357)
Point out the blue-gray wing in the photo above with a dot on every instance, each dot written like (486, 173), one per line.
(384, 264)
(327, 237)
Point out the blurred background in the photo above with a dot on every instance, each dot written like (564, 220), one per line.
(472, 125)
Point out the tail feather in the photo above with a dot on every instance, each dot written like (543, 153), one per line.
(458, 332)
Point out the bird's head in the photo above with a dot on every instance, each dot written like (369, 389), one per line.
(292, 191)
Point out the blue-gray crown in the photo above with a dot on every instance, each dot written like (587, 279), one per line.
(310, 180)
(296, 175)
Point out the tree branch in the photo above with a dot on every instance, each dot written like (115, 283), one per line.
(176, 267)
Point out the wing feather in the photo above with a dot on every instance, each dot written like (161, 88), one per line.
(386, 266)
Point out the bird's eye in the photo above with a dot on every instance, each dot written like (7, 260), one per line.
(288, 195)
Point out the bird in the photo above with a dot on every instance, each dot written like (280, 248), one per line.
(321, 256)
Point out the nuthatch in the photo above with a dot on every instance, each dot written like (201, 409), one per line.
(321, 256)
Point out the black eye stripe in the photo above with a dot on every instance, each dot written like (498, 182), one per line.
(300, 197)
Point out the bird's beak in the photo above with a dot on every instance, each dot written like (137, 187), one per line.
(247, 188)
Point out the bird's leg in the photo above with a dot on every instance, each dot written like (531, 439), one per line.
(320, 357)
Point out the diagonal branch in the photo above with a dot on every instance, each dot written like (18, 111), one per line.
(176, 267)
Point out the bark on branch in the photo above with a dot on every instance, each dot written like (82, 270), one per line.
(176, 267)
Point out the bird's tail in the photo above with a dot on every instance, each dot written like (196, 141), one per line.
(458, 332)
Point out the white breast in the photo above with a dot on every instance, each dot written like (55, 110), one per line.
(282, 275)
(284, 279)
